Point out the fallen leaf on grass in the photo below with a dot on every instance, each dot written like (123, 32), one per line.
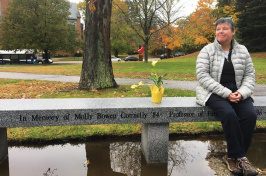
(95, 91)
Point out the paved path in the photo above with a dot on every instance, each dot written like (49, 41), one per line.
(56, 61)
(260, 89)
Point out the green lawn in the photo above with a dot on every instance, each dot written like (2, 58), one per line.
(181, 68)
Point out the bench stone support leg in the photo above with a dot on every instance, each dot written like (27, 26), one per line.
(154, 142)
(3, 144)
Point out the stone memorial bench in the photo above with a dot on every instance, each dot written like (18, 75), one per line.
(155, 118)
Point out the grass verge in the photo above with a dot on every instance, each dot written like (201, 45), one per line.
(180, 68)
(27, 135)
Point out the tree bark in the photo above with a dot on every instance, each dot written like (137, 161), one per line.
(46, 56)
(97, 71)
(146, 45)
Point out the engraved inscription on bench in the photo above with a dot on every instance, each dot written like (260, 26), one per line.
(60, 112)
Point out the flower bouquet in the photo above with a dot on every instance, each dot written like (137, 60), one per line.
(157, 89)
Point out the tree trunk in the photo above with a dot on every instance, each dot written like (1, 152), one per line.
(46, 56)
(97, 71)
(146, 45)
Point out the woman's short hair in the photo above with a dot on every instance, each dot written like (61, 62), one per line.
(227, 20)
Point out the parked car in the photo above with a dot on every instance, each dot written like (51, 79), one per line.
(5, 61)
(27, 61)
(179, 54)
(40, 58)
(31, 61)
(165, 56)
(131, 58)
(113, 58)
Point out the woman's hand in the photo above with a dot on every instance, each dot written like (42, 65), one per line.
(235, 97)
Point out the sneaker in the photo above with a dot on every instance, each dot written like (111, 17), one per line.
(247, 168)
(233, 165)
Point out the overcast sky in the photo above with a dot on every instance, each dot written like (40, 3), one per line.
(189, 5)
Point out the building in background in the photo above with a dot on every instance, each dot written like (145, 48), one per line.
(75, 17)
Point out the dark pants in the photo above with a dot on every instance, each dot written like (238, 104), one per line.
(238, 122)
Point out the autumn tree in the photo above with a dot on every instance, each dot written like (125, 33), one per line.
(198, 29)
(40, 25)
(226, 8)
(202, 21)
(97, 71)
(157, 45)
(144, 18)
(223, 7)
(168, 39)
(193, 32)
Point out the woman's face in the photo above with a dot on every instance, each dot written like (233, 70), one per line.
(224, 34)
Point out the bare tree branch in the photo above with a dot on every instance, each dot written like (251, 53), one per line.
(146, 17)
